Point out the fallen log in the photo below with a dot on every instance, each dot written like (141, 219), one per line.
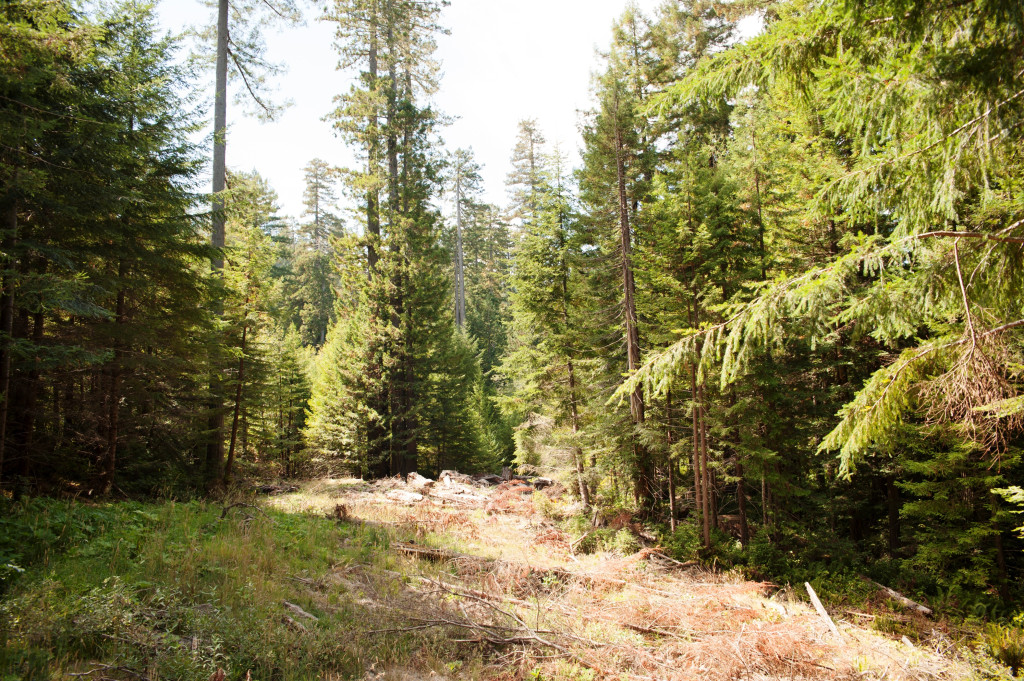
(418, 481)
(469, 592)
(444, 555)
(577, 542)
(404, 497)
(899, 598)
(821, 610)
(297, 626)
(458, 496)
(300, 612)
(427, 553)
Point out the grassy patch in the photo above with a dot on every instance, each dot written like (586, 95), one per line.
(173, 591)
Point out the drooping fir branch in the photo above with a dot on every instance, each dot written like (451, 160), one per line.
(823, 300)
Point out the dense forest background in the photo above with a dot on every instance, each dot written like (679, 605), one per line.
(776, 313)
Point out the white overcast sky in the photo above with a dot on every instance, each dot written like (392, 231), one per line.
(504, 60)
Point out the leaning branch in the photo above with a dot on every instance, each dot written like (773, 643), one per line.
(900, 598)
(975, 235)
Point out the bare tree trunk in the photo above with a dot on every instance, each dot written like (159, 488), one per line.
(642, 483)
(114, 406)
(460, 283)
(245, 431)
(764, 501)
(705, 478)
(410, 427)
(373, 157)
(10, 226)
(760, 217)
(396, 389)
(215, 447)
(671, 462)
(375, 431)
(577, 453)
(25, 388)
(741, 498)
(238, 395)
(893, 498)
(1004, 585)
(698, 491)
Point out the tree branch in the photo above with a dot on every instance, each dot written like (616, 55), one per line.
(975, 235)
(242, 72)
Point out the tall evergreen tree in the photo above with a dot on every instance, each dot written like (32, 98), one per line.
(239, 52)
(407, 336)
(542, 363)
(101, 285)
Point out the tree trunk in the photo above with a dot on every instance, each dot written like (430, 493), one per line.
(671, 462)
(396, 389)
(894, 514)
(577, 453)
(373, 157)
(1004, 584)
(24, 391)
(114, 405)
(642, 483)
(460, 285)
(698, 491)
(10, 227)
(410, 456)
(741, 499)
(238, 396)
(760, 217)
(764, 501)
(705, 478)
(215, 447)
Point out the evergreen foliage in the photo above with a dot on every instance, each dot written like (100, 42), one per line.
(779, 302)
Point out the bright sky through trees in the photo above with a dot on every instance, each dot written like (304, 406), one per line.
(503, 61)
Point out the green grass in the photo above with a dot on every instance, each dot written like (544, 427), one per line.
(172, 591)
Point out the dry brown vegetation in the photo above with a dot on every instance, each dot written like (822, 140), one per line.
(505, 588)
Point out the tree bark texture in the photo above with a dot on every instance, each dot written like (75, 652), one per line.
(215, 446)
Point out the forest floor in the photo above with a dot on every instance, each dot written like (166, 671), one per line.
(343, 579)
(507, 581)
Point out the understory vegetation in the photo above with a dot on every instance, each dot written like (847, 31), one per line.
(180, 590)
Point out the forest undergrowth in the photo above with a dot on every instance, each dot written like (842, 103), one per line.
(342, 580)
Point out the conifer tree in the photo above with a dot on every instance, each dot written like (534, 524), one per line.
(319, 200)
(465, 182)
(239, 53)
(251, 208)
(110, 309)
(541, 365)
(408, 332)
(526, 178)
(614, 185)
